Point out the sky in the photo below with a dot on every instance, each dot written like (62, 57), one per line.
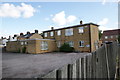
(17, 17)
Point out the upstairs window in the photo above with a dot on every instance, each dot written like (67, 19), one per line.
(111, 36)
(106, 37)
(45, 34)
(59, 32)
(116, 36)
(44, 45)
(81, 43)
(51, 33)
(68, 32)
(81, 29)
(22, 43)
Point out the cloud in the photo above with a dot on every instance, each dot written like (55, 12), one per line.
(39, 6)
(10, 10)
(103, 23)
(46, 19)
(103, 2)
(60, 18)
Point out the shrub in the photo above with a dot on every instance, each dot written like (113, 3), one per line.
(66, 48)
(23, 49)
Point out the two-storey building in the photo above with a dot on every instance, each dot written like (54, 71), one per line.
(83, 37)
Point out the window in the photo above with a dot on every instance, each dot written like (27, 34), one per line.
(111, 36)
(106, 37)
(81, 43)
(70, 43)
(58, 44)
(59, 32)
(51, 33)
(45, 34)
(116, 36)
(22, 43)
(81, 29)
(44, 45)
(25, 43)
(69, 32)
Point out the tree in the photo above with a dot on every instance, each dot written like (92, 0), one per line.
(66, 48)
(119, 38)
(100, 33)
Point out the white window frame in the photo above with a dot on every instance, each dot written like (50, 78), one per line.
(44, 45)
(25, 43)
(81, 29)
(71, 43)
(82, 43)
(106, 37)
(58, 44)
(45, 34)
(51, 33)
(116, 36)
(59, 32)
(69, 32)
(111, 37)
(22, 43)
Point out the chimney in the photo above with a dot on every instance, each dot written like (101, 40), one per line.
(36, 31)
(28, 32)
(81, 22)
(15, 35)
(52, 28)
(21, 34)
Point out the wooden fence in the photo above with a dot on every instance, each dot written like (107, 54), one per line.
(98, 64)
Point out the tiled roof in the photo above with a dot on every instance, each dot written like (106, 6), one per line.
(111, 32)
(27, 35)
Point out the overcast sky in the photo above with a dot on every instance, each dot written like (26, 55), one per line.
(17, 17)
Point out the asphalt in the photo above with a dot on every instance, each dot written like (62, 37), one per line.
(20, 65)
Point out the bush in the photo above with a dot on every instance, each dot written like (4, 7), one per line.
(23, 49)
(66, 48)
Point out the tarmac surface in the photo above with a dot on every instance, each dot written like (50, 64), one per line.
(21, 65)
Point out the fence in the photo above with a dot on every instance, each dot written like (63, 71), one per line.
(99, 64)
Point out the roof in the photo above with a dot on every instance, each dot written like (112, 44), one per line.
(111, 32)
(27, 35)
(72, 26)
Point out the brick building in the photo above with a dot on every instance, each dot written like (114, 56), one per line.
(110, 35)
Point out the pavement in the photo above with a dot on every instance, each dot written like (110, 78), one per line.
(21, 65)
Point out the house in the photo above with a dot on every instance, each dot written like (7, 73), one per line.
(29, 35)
(83, 37)
(110, 35)
(33, 46)
(3, 41)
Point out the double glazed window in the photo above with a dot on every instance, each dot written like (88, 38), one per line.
(81, 43)
(45, 34)
(68, 32)
(71, 43)
(44, 45)
(59, 32)
(51, 33)
(81, 29)
(106, 37)
(58, 44)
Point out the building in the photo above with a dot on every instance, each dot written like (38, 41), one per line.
(110, 35)
(83, 37)
(33, 46)
(3, 42)
(29, 35)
